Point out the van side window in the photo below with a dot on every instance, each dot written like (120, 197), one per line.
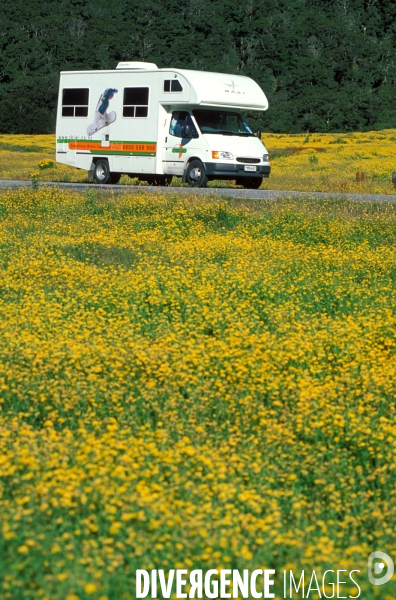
(135, 102)
(172, 85)
(181, 118)
(75, 102)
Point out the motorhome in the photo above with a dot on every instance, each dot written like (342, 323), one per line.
(154, 124)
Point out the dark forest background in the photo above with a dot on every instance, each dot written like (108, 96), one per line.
(325, 65)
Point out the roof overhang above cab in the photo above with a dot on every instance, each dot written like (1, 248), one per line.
(223, 90)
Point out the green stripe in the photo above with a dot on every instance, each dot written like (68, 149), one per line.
(67, 140)
(123, 142)
(120, 153)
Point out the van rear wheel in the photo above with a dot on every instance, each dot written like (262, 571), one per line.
(195, 174)
(102, 171)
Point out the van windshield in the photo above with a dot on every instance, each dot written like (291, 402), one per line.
(221, 122)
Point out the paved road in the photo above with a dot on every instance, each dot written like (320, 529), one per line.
(229, 192)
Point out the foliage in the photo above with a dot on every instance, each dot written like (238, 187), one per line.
(326, 66)
(330, 163)
(35, 177)
(293, 162)
(192, 384)
(47, 163)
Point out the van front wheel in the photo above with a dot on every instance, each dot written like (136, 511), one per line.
(102, 171)
(196, 175)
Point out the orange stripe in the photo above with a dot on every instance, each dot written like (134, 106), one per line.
(121, 147)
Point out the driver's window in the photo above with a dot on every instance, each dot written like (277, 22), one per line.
(177, 123)
(180, 118)
(233, 123)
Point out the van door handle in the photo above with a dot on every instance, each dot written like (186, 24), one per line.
(166, 139)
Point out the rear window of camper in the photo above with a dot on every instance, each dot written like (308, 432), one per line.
(135, 102)
(172, 85)
(75, 102)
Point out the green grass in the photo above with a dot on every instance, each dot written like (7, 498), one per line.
(21, 148)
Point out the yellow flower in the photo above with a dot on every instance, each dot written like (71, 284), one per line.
(90, 588)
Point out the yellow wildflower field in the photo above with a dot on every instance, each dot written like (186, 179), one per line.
(193, 384)
(351, 162)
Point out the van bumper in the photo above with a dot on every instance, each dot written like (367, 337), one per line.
(227, 171)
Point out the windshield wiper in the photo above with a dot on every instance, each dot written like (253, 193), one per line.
(219, 132)
(240, 133)
(225, 132)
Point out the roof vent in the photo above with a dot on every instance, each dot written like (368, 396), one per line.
(137, 65)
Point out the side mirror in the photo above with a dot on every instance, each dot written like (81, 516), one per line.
(258, 134)
(187, 131)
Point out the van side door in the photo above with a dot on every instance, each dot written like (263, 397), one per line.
(180, 143)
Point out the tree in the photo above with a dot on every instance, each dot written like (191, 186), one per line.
(325, 66)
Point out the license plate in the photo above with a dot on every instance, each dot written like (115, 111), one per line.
(249, 168)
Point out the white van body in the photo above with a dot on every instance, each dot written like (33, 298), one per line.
(154, 123)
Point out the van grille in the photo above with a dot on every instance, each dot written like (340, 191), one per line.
(248, 160)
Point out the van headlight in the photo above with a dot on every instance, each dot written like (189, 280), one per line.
(220, 154)
(265, 157)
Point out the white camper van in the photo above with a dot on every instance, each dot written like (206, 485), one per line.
(154, 123)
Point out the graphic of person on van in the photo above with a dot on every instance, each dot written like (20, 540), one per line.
(102, 117)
